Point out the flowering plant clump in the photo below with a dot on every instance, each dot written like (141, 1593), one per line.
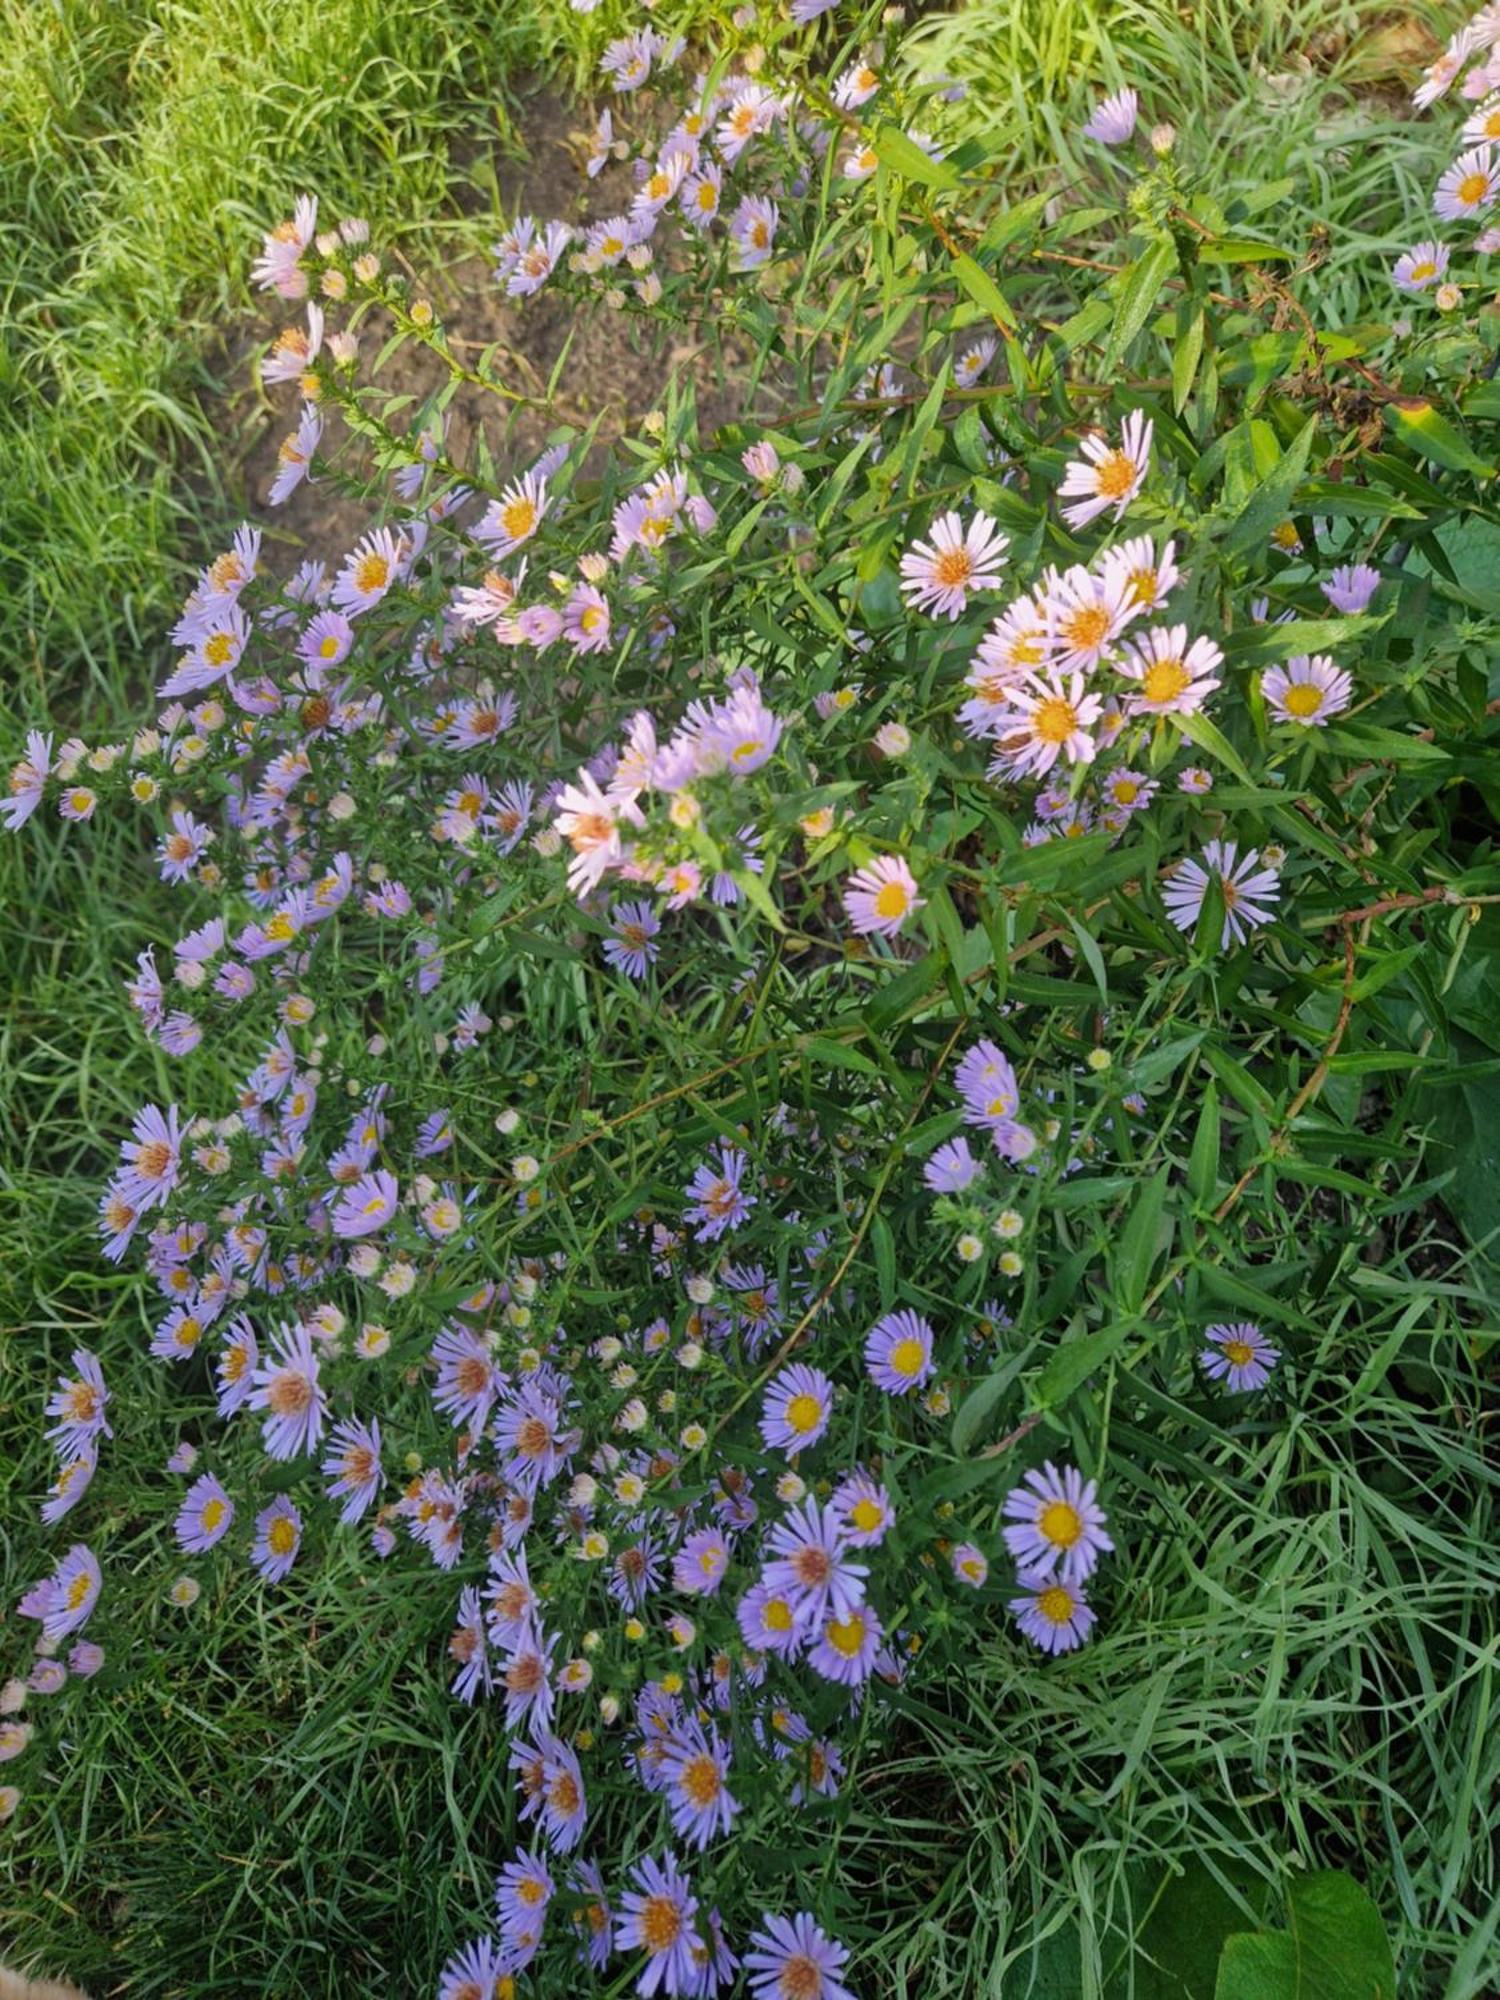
(780, 983)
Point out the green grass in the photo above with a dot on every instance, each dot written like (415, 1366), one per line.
(281, 1798)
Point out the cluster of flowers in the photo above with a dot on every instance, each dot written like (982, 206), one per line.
(1468, 189)
(675, 1539)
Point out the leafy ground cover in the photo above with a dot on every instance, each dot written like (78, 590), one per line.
(275, 1790)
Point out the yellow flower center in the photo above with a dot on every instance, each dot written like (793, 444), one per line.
(953, 568)
(1060, 1524)
(1164, 680)
(800, 1979)
(1114, 475)
(1054, 719)
(212, 1515)
(1424, 269)
(660, 1923)
(371, 572)
(78, 1589)
(846, 1636)
(700, 1780)
(1056, 1604)
(1086, 628)
(892, 900)
(803, 1414)
(281, 1536)
(866, 1516)
(1125, 791)
(1239, 1352)
(1472, 189)
(518, 517)
(778, 1615)
(1302, 699)
(907, 1357)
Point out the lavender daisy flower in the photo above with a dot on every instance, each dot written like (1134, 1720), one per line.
(952, 1167)
(797, 1407)
(720, 1202)
(237, 1366)
(473, 1973)
(898, 1353)
(352, 1467)
(768, 1621)
(152, 1157)
(864, 1510)
(659, 1916)
(594, 1925)
(1249, 894)
(793, 1958)
(881, 896)
(564, 1809)
(79, 1404)
(1421, 266)
(1350, 587)
(940, 575)
(846, 1647)
(1239, 1355)
(205, 1517)
(695, 1764)
(1060, 1525)
(752, 230)
(1108, 475)
(701, 1562)
(522, 1892)
(288, 1386)
(1113, 122)
(368, 1205)
(632, 947)
(987, 1083)
(1469, 186)
(1054, 1615)
(1307, 690)
(808, 1562)
(278, 1536)
(70, 1485)
(65, 1600)
(970, 1565)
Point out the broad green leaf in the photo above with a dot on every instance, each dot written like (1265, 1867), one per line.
(1241, 250)
(1203, 1161)
(1187, 351)
(983, 290)
(1071, 1364)
(1136, 295)
(1334, 1948)
(1139, 1244)
(1271, 500)
(1431, 435)
(904, 156)
(981, 1400)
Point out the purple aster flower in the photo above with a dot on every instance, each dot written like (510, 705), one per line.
(1250, 894)
(1059, 1523)
(205, 1517)
(952, 1168)
(987, 1084)
(152, 1157)
(701, 1562)
(65, 1600)
(79, 1404)
(768, 1621)
(68, 1488)
(797, 1407)
(522, 1893)
(864, 1510)
(85, 1660)
(846, 1648)
(898, 1353)
(632, 946)
(468, 1649)
(808, 1562)
(529, 1430)
(793, 1958)
(1351, 586)
(1113, 122)
(237, 1367)
(719, 1200)
(1052, 1613)
(368, 1205)
(564, 1808)
(1238, 1355)
(352, 1467)
(468, 1378)
(970, 1565)
(595, 1929)
(659, 1916)
(278, 1536)
(288, 1387)
(695, 1765)
(473, 1973)
(527, 1675)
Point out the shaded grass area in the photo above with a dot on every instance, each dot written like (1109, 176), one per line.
(275, 1794)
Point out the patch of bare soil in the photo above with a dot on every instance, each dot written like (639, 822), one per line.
(616, 368)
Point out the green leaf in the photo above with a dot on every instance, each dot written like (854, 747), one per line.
(1208, 736)
(1432, 436)
(1241, 250)
(1271, 500)
(905, 157)
(1136, 295)
(1140, 1242)
(1187, 351)
(1334, 1948)
(981, 1400)
(983, 290)
(1203, 1161)
(1093, 958)
(1071, 1364)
